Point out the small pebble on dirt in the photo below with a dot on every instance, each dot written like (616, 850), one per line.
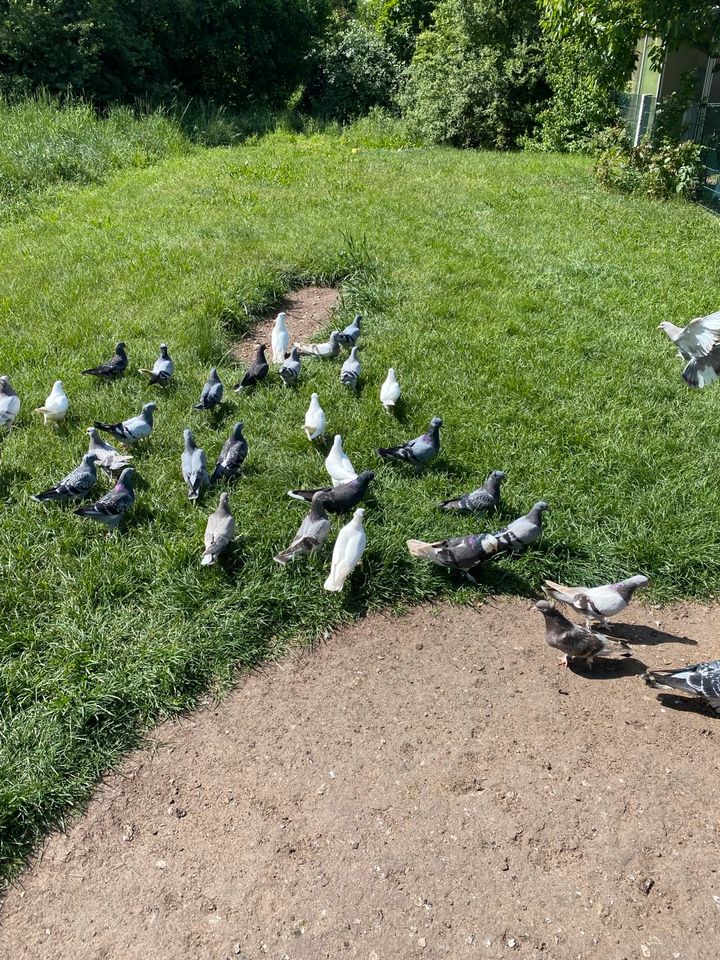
(128, 833)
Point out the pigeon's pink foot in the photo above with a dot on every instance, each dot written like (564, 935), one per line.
(563, 662)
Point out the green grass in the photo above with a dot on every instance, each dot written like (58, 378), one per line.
(515, 299)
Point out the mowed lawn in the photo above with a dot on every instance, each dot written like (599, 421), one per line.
(514, 298)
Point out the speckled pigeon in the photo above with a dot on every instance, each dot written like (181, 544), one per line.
(576, 642)
(112, 368)
(111, 508)
(76, 485)
(702, 680)
(232, 456)
(486, 497)
(457, 553)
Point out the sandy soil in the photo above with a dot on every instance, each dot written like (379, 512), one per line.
(308, 311)
(426, 787)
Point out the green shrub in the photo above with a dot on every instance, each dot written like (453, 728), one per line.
(237, 52)
(352, 72)
(477, 77)
(397, 22)
(582, 102)
(662, 171)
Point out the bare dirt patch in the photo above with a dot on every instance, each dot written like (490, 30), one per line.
(425, 787)
(308, 311)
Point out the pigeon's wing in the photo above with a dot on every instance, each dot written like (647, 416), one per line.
(558, 591)
(703, 370)
(583, 643)
(464, 553)
(78, 481)
(111, 506)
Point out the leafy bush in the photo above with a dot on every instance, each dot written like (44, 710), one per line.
(477, 77)
(352, 72)
(238, 52)
(662, 171)
(582, 102)
(398, 22)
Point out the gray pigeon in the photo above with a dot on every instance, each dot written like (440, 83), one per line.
(219, 532)
(350, 372)
(523, 531)
(111, 460)
(349, 336)
(133, 430)
(163, 368)
(111, 508)
(212, 392)
(256, 372)
(457, 553)
(597, 603)
(699, 345)
(327, 350)
(702, 680)
(232, 456)
(312, 533)
(576, 642)
(9, 404)
(76, 485)
(340, 499)
(422, 450)
(194, 467)
(112, 368)
(290, 368)
(486, 497)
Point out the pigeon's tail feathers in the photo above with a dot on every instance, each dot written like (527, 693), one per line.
(558, 592)
(390, 453)
(302, 494)
(108, 427)
(306, 545)
(421, 550)
(452, 504)
(51, 494)
(671, 679)
(615, 649)
(92, 372)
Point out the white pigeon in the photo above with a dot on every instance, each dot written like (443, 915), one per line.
(9, 403)
(56, 405)
(337, 464)
(699, 345)
(597, 603)
(314, 426)
(390, 390)
(349, 548)
(279, 339)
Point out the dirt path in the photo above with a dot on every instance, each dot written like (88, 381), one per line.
(428, 787)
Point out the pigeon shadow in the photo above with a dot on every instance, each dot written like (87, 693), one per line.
(605, 668)
(398, 411)
(644, 636)
(687, 705)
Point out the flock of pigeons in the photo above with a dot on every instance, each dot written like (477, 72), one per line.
(699, 344)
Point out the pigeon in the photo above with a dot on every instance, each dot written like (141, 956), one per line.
(212, 392)
(108, 457)
(576, 642)
(327, 350)
(290, 368)
(337, 464)
(256, 372)
(420, 451)
(340, 499)
(111, 508)
(279, 338)
(349, 336)
(458, 553)
(350, 372)
(486, 497)
(9, 404)
(347, 552)
(112, 368)
(232, 456)
(597, 603)
(523, 531)
(219, 532)
(132, 430)
(314, 426)
(702, 680)
(699, 345)
(194, 467)
(390, 390)
(56, 405)
(76, 485)
(312, 533)
(162, 369)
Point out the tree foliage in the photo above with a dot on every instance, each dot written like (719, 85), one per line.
(398, 22)
(477, 78)
(235, 51)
